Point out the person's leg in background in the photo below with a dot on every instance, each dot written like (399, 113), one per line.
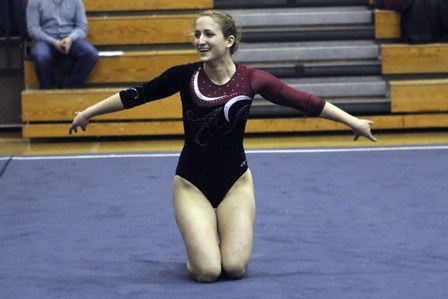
(85, 56)
(380, 4)
(42, 55)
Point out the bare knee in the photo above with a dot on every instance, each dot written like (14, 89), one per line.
(209, 273)
(235, 270)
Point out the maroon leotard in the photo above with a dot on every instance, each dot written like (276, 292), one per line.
(214, 118)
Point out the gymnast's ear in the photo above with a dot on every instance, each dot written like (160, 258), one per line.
(230, 41)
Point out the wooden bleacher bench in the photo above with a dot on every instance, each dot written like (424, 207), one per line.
(128, 67)
(427, 95)
(387, 24)
(414, 59)
(49, 114)
(60, 105)
(133, 5)
(141, 30)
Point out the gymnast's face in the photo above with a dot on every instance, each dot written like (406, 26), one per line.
(209, 40)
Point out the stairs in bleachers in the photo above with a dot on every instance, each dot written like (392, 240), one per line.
(329, 51)
(237, 4)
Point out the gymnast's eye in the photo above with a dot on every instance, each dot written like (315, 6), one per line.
(207, 33)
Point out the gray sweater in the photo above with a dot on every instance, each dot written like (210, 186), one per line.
(52, 20)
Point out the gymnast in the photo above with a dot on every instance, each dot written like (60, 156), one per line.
(213, 193)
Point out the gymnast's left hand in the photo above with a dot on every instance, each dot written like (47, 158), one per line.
(80, 121)
(362, 128)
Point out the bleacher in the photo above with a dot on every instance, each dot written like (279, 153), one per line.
(344, 51)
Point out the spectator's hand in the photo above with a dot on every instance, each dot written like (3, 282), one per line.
(67, 43)
(79, 121)
(362, 128)
(60, 47)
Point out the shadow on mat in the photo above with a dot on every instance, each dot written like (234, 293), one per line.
(154, 271)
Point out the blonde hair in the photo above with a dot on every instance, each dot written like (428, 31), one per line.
(227, 25)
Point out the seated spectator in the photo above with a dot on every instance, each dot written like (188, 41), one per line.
(59, 28)
(422, 21)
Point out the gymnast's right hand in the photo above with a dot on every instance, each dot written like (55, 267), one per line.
(80, 121)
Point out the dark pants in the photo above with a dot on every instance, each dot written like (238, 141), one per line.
(83, 57)
(425, 22)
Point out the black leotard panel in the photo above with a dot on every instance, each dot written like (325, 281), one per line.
(215, 117)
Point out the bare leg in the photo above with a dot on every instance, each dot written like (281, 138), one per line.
(236, 216)
(196, 220)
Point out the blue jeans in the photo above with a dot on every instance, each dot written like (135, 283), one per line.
(82, 54)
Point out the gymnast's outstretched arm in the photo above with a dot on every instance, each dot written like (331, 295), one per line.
(111, 104)
(166, 84)
(274, 90)
(360, 127)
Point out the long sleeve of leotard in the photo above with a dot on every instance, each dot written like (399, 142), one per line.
(165, 85)
(274, 90)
